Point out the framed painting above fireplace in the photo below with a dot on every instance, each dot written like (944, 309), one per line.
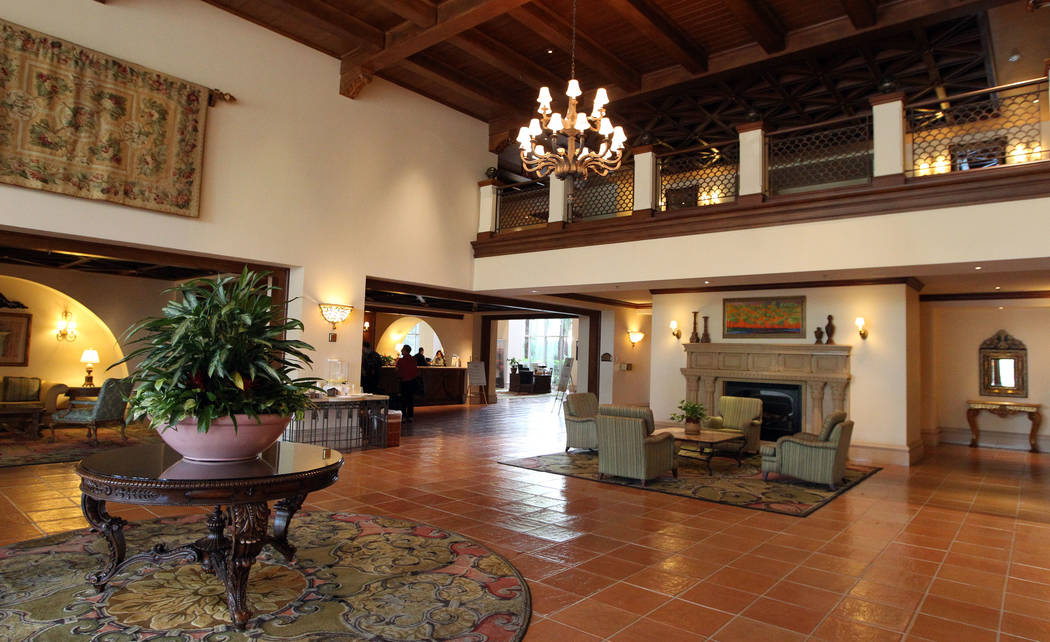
(777, 317)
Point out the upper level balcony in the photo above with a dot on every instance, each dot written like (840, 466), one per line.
(976, 147)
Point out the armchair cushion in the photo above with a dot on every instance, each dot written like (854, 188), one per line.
(830, 422)
(625, 449)
(742, 414)
(810, 458)
(581, 430)
(635, 412)
(20, 389)
(582, 404)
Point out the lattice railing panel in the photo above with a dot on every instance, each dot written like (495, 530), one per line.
(837, 155)
(980, 131)
(704, 177)
(604, 196)
(523, 205)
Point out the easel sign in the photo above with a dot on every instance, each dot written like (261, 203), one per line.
(564, 381)
(476, 377)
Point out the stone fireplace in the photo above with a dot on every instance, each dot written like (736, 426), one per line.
(782, 410)
(818, 369)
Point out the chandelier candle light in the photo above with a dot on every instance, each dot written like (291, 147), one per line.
(573, 145)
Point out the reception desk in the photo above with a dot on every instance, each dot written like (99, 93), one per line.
(441, 385)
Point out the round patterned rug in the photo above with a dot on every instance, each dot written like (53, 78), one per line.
(356, 577)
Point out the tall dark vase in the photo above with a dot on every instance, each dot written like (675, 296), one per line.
(706, 337)
(694, 337)
(829, 330)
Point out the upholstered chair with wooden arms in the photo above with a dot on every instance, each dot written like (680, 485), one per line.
(627, 446)
(820, 459)
(581, 425)
(739, 414)
(107, 410)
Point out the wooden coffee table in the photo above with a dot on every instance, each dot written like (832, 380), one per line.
(715, 442)
(28, 416)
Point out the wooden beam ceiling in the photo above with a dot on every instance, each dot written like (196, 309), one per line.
(421, 13)
(760, 21)
(862, 13)
(655, 25)
(499, 56)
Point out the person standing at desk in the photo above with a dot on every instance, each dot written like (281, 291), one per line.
(408, 372)
(439, 359)
(421, 359)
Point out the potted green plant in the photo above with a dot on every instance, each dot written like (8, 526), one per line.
(513, 364)
(216, 376)
(692, 413)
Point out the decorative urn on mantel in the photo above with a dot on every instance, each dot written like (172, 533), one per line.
(216, 373)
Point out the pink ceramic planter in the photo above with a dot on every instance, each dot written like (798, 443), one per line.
(221, 443)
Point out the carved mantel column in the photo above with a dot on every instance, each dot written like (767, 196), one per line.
(709, 392)
(838, 396)
(816, 405)
(692, 388)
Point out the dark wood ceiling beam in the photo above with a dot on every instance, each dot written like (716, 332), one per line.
(760, 21)
(862, 13)
(454, 17)
(428, 67)
(558, 32)
(330, 18)
(655, 25)
(498, 55)
(421, 13)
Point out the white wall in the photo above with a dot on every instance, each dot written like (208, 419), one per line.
(631, 387)
(455, 335)
(957, 332)
(294, 173)
(877, 394)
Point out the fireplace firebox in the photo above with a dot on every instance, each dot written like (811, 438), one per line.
(781, 405)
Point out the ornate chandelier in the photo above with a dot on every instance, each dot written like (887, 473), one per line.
(577, 143)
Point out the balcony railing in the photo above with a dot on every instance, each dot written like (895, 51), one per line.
(831, 154)
(986, 128)
(604, 196)
(697, 176)
(522, 205)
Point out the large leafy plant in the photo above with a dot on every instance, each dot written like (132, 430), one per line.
(217, 351)
(690, 411)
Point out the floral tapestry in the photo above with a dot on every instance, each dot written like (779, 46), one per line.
(79, 122)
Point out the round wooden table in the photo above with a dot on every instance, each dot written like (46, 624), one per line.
(155, 474)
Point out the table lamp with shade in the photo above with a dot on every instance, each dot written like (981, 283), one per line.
(89, 358)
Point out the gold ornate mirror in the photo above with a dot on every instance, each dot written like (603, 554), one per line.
(1003, 366)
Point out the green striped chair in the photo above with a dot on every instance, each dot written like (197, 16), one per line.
(739, 414)
(581, 426)
(820, 459)
(627, 447)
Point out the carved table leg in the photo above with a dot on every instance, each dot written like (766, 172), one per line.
(284, 510)
(1037, 419)
(248, 534)
(971, 418)
(112, 528)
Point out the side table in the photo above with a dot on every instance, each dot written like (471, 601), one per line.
(1004, 409)
(154, 474)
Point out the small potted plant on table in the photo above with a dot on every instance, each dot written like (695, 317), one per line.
(216, 372)
(692, 413)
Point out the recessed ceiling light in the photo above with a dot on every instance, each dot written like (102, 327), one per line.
(1001, 307)
(998, 287)
(977, 267)
(535, 291)
(1014, 56)
(707, 282)
(550, 51)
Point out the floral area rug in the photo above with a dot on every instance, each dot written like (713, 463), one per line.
(71, 444)
(730, 484)
(356, 577)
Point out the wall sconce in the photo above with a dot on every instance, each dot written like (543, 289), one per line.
(675, 330)
(368, 324)
(89, 359)
(67, 328)
(635, 336)
(861, 329)
(335, 313)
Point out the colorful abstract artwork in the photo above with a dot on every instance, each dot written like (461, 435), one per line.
(769, 317)
(81, 123)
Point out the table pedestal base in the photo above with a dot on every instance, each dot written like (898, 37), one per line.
(228, 557)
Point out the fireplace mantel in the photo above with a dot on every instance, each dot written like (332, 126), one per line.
(815, 366)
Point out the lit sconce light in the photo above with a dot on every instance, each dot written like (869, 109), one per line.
(67, 327)
(368, 324)
(861, 329)
(635, 337)
(675, 330)
(335, 313)
(89, 359)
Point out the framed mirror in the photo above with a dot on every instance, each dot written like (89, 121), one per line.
(1003, 363)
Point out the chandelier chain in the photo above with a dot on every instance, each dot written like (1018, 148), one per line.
(572, 48)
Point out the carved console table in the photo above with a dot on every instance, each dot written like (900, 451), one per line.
(157, 475)
(1004, 409)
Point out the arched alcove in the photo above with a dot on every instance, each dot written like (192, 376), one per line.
(412, 330)
(49, 358)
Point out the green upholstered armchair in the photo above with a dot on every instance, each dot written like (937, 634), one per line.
(627, 447)
(814, 458)
(739, 414)
(581, 425)
(107, 410)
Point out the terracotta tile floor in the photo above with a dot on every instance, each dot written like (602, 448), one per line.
(957, 548)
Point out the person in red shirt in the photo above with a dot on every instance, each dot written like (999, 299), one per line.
(408, 372)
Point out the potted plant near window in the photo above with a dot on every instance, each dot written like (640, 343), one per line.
(692, 413)
(513, 364)
(216, 376)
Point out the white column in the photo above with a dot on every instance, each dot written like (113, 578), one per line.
(487, 206)
(752, 170)
(645, 179)
(559, 200)
(887, 121)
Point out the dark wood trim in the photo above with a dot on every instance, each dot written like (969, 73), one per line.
(749, 127)
(995, 184)
(604, 301)
(862, 13)
(642, 149)
(400, 287)
(487, 182)
(986, 296)
(648, 212)
(881, 99)
(750, 200)
(555, 225)
(889, 180)
(410, 311)
(909, 281)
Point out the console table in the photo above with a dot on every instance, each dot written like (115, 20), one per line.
(154, 474)
(1004, 409)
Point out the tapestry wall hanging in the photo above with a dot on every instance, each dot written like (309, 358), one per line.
(78, 122)
(782, 317)
(14, 338)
